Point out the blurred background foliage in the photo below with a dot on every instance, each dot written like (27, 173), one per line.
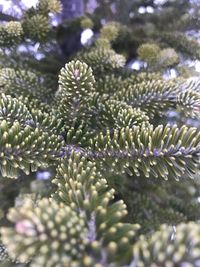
(155, 36)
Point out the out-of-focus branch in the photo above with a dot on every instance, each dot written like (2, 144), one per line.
(6, 17)
(69, 39)
(72, 9)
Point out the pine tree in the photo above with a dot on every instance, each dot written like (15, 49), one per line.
(120, 147)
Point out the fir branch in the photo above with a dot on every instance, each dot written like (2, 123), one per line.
(163, 151)
(169, 246)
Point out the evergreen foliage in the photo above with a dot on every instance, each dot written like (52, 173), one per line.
(105, 159)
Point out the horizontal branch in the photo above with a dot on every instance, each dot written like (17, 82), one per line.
(6, 17)
(161, 152)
